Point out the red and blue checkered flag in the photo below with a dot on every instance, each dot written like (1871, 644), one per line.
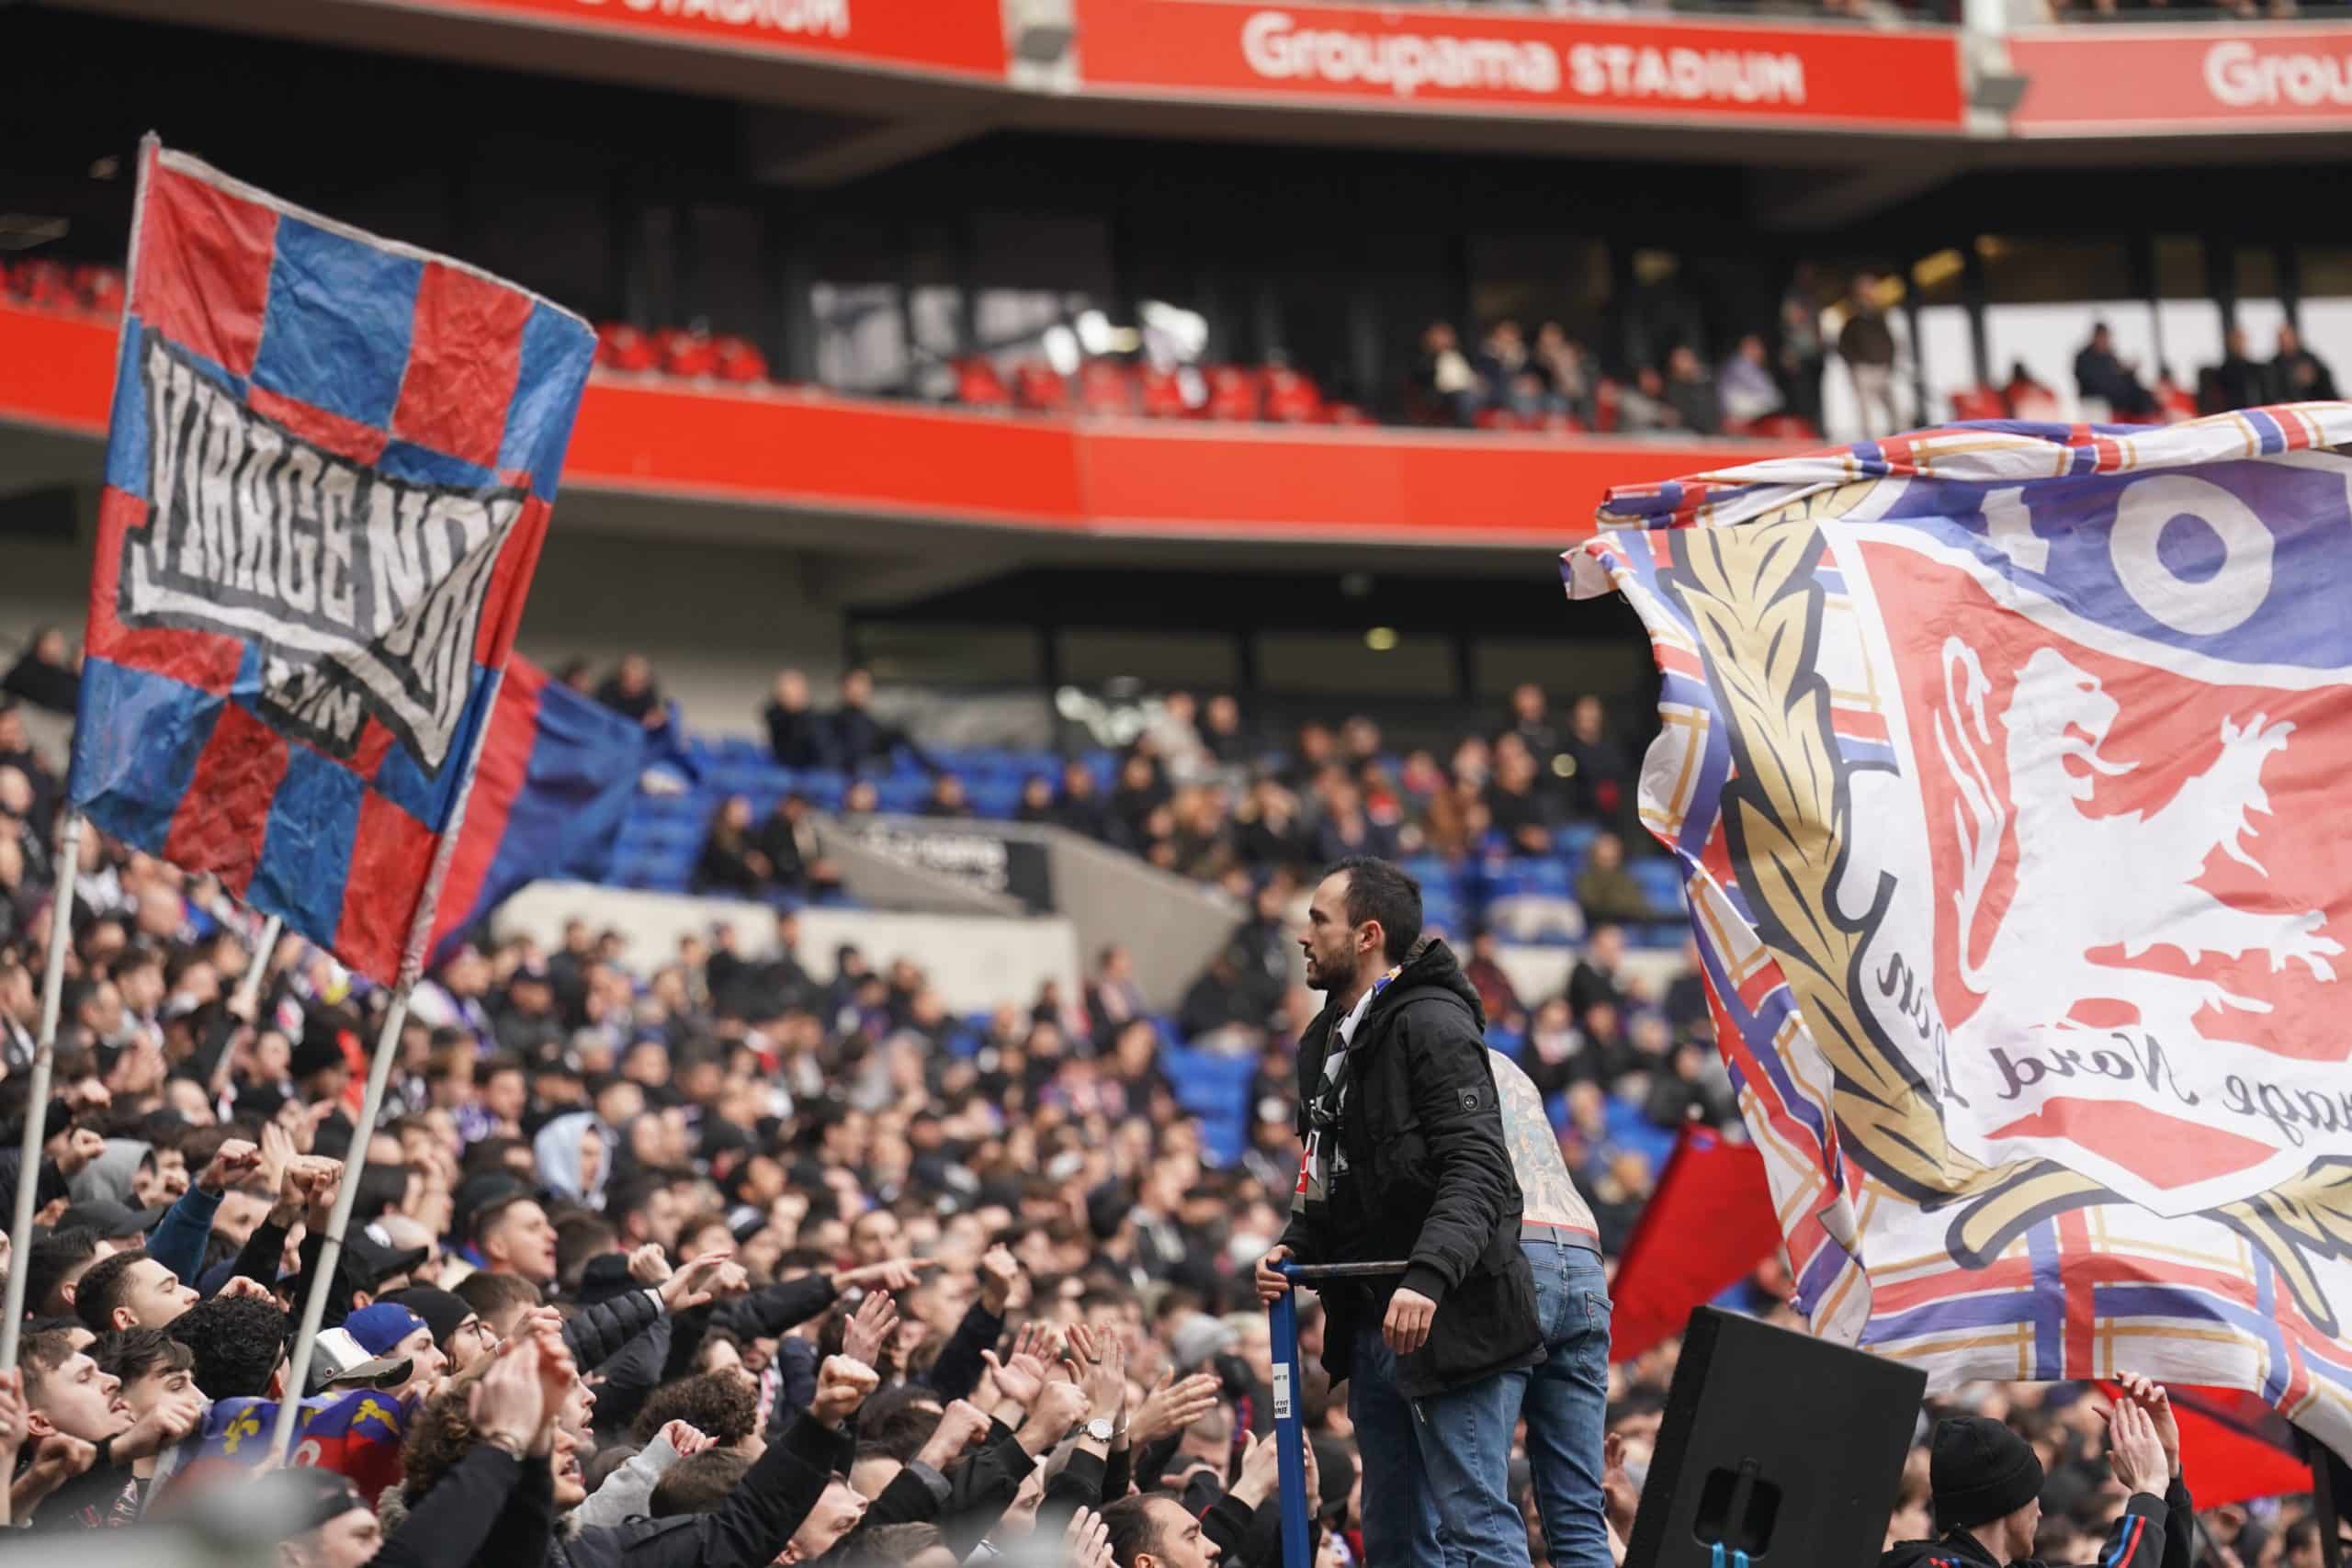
(328, 478)
(2003, 763)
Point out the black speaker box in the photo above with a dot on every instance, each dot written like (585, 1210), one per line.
(1775, 1444)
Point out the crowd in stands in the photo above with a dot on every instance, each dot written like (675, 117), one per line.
(2111, 387)
(692, 1258)
(1764, 383)
(689, 1257)
(1527, 821)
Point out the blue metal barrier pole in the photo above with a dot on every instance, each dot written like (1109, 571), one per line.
(1289, 1431)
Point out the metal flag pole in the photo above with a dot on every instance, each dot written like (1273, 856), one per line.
(2326, 1501)
(1289, 1428)
(379, 1073)
(257, 973)
(322, 1281)
(52, 999)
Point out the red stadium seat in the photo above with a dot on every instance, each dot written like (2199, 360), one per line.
(1233, 393)
(1106, 386)
(1289, 397)
(620, 346)
(686, 353)
(44, 282)
(1605, 398)
(1781, 427)
(100, 288)
(1978, 402)
(1564, 424)
(1501, 419)
(2036, 402)
(739, 362)
(978, 386)
(1344, 413)
(1163, 395)
(1039, 388)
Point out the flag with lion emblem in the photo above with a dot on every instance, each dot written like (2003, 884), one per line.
(2002, 761)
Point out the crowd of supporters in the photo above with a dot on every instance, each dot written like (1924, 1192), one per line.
(1198, 793)
(690, 1256)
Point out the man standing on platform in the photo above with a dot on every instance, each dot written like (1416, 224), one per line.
(1405, 1161)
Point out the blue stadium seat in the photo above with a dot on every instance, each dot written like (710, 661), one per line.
(901, 793)
(1661, 880)
(1216, 1088)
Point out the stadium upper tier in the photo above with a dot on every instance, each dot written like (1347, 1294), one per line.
(805, 452)
(1237, 67)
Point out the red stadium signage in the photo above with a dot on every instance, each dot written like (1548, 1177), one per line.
(964, 38)
(1458, 62)
(2282, 76)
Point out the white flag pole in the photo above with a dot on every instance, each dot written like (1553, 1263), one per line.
(52, 999)
(257, 973)
(379, 1072)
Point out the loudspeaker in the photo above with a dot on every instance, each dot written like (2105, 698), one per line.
(1775, 1444)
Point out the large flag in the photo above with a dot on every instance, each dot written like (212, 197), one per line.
(327, 481)
(2003, 762)
(1707, 1226)
(557, 775)
(356, 1433)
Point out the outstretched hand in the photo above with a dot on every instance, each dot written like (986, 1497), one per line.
(2156, 1405)
(869, 1328)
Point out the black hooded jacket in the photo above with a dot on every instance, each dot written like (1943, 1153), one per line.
(1427, 1179)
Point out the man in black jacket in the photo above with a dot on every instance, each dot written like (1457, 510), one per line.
(1405, 1160)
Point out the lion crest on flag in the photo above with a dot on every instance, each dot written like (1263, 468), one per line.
(2145, 861)
(1999, 760)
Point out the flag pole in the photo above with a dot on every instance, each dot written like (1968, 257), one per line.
(2326, 1502)
(52, 1000)
(379, 1073)
(257, 973)
(315, 1302)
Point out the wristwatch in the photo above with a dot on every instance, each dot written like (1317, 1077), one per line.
(1099, 1430)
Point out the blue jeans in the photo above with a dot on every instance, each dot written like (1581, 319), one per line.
(1566, 1401)
(1436, 1471)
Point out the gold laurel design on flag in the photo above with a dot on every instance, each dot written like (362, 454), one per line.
(1756, 605)
(2296, 1224)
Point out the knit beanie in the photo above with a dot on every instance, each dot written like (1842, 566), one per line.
(1980, 1471)
(444, 1312)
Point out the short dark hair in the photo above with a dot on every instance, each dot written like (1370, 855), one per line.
(42, 1352)
(1379, 891)
(49, 1260)
(496, 1209)
(723, 1405)
(132, 1353)
(697, 1484)
(237, 1342)
(490, 1295)
(103, 1289)
(899, 1543)
(1133, 1532)
(382, 1188)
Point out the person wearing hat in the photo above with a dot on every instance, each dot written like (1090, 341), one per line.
(457, 1330)
(1986, 1482)
(391, 1332)
(331, 1527)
